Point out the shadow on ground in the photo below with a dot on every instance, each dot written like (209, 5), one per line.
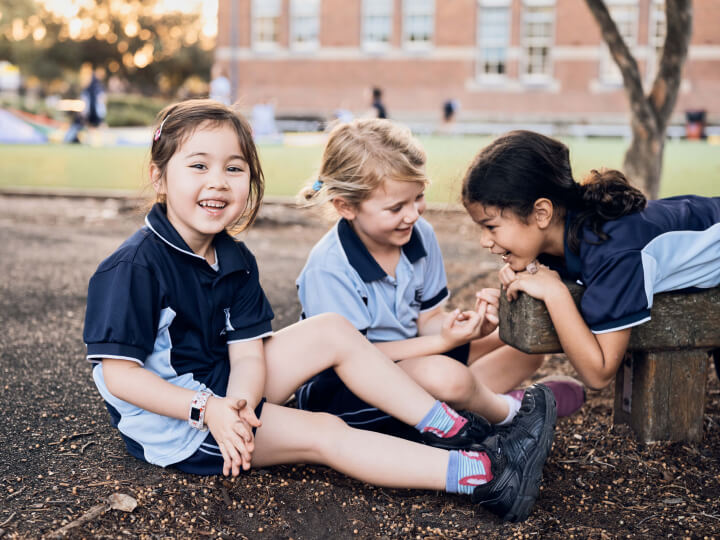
(60, 457)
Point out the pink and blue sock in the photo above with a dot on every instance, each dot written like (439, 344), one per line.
(441, 420)
(467, 470)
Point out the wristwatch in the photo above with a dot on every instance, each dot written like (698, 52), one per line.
(196, 417)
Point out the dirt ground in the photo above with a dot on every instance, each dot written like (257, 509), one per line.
(60, 457)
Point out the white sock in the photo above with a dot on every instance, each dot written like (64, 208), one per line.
(513, 406)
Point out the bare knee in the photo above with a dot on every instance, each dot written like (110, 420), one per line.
(327, 430)
(451, 382)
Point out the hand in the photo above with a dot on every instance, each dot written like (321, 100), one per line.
(459, 327)
(231, 425)
(487, 303)
(539, 284)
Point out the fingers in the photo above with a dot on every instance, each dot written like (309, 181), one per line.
(506, 275)
(491, 296)
(513, 289)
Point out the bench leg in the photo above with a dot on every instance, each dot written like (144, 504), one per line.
(661, 395)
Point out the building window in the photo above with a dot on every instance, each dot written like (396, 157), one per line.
(377, 23)
(304, 23)
(266, 23)
(656, 37)
(493, 38)
(538, 21)
(418, 22)
(625, 15)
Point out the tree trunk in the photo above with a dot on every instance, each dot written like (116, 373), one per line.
(651, 113)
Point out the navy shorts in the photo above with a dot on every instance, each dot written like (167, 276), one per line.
(207, 460)
(327, 393)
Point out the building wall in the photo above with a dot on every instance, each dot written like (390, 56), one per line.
(340, 71)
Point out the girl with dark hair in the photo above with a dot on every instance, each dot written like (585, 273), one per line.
(602, 233)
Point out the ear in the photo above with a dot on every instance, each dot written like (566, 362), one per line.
(543, 212)
(156, 179)
(344, 208)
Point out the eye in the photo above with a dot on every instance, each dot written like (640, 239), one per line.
(396, 209)
(198, 166)
(420, 197)
(235, 169)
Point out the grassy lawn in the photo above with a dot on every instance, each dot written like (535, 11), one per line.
(690, 167)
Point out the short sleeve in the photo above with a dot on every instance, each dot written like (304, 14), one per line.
(435, 289)
(325, 291)
(250, 315)
(123, 310)
(615, 296)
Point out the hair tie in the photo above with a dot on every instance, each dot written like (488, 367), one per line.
(317, 185)
(158, 131)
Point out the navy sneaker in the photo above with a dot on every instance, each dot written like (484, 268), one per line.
(517, 456)
(469, 437)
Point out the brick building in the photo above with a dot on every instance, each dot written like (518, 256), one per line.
(502, 60)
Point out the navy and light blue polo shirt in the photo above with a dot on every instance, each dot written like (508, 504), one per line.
(341, 276)
(672, 244)
(157, 303)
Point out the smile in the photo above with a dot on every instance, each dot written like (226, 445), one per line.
(213, 204)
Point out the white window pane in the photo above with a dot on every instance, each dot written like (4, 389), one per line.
(266, 8)
(493, 39)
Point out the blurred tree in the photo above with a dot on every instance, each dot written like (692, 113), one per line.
(651, 112)
(132, 39)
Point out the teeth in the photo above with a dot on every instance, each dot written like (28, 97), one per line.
(212, 204)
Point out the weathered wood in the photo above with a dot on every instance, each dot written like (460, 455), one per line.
(661, 395)
(660, 389)
(679, 321)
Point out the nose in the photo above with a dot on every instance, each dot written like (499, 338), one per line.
(217, 181)
(485, 240)
(412, 214)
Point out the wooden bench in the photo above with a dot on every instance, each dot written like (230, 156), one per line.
(660, 388)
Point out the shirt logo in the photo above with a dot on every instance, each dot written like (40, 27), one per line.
(228, 324)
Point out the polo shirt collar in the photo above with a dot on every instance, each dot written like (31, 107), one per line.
(231, 258)
(363, 262)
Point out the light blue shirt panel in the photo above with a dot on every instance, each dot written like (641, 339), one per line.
(329, 283)
(164, 440)
(334, 289)
(434, 277)
(682, 259)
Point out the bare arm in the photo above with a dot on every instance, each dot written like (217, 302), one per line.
(595, 357)
(133, 383)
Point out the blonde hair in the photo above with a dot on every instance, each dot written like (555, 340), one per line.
(359, 156)
(175, 123)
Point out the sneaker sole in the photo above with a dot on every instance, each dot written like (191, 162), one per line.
(532, 475)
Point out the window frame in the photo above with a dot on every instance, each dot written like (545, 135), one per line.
(546, 42)
(480, 73)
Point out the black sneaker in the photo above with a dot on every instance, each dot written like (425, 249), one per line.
(715, 354)
(470, 436)
(517, 456)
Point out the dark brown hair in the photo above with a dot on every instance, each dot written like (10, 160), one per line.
(520, 167)
(175, 123)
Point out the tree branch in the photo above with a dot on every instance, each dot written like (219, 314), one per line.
(665, 88)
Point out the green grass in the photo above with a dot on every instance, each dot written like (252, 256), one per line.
(690, 167)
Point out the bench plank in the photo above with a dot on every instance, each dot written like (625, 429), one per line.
(679, 321)
(660, 389)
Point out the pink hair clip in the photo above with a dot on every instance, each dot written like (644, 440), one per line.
(158, 131)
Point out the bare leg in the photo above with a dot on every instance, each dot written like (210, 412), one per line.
(500, 366)
(293, 436)
(301, 350)
(454, 383)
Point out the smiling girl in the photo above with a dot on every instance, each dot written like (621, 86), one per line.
(601, 232)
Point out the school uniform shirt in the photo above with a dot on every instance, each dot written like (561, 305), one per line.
(672, 244)
(341, 276)
(157, 303)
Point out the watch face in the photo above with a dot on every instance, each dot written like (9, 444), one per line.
(194, 414)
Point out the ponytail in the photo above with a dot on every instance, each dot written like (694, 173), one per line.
(604, 195)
